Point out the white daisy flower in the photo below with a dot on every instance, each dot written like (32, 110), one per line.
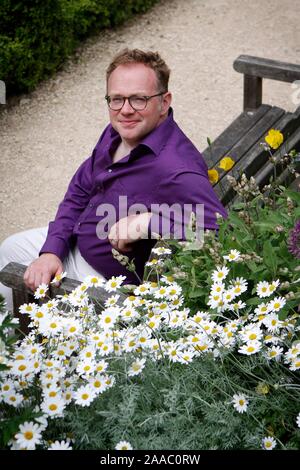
(277, 304)
(240, 402)
(261, 310)
(51, 326)
(53, 406)
(237, 306)
(62, 445)
(142, 289)
(160, 293)
(29, 435)
(293, 351)
(251, 347)
(86, 368)
(272, 322)
(94, 281)
(228, 296)
(123, 445)
(72, 327)
(101, 366)
(173, 291)
(274, 353)
(28, 308)
(129, 313)
(108, 318)
(51, 392)
(98, 383)
(268, 443)
(186, 356)
(41, 291)
(262, 289)
(217, 288)
(233, 255)
(7, 386)
(161, 251)
(220, 274)
(13, 398)
(298, 420)
(136, 367)
(273, 286)
(112, 300)
(84, 395)
(114, 283)
(251, 332)
(154, 262)
(154, 322)
(22, 367)
(58, 277)
(295, 363)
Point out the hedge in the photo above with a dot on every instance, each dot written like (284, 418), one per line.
(36, 36)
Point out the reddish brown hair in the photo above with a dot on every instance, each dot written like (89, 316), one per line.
(150, 59)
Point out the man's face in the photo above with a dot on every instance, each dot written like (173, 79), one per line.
(136, 79)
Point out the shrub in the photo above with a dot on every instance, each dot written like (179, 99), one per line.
(38, 35)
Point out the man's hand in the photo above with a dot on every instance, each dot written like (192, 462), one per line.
(42, 270)
(129, 230)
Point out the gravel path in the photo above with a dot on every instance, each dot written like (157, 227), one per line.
(46, 137)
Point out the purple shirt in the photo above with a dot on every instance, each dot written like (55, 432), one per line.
(164, 168)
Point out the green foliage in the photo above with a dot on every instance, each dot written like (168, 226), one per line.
(188, 407)
(259, 229)
(38, 35)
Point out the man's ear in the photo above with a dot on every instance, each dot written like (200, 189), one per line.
(166, 102)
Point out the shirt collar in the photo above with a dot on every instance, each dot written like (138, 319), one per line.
(155, 140)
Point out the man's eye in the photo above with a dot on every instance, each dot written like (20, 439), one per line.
(116, 100)
(138, 99)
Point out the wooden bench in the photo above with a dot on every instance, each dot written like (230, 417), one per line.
(240, 140)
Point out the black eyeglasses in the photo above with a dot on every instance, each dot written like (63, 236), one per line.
(138, 103)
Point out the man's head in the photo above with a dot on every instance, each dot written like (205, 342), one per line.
(135, 73)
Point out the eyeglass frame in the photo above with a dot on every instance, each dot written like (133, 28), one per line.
(147, 98)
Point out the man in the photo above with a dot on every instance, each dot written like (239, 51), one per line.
(141, 159)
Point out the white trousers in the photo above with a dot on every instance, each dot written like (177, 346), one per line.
(24, 247)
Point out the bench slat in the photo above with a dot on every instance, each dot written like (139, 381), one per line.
(232, 134)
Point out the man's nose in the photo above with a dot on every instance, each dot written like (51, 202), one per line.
(127, 108)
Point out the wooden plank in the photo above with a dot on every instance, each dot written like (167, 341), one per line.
(267, 68)
(232, 134)
(12, 276)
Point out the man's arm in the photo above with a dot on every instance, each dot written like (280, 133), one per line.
(185, 190)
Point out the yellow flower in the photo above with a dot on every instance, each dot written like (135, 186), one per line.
(213, 176)
(226, 163)
(274, 138)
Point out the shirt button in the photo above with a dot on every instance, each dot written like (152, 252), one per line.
(79, 223)
(91, 205)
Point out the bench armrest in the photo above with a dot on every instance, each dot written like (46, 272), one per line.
(12, 276)
(257, 68)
